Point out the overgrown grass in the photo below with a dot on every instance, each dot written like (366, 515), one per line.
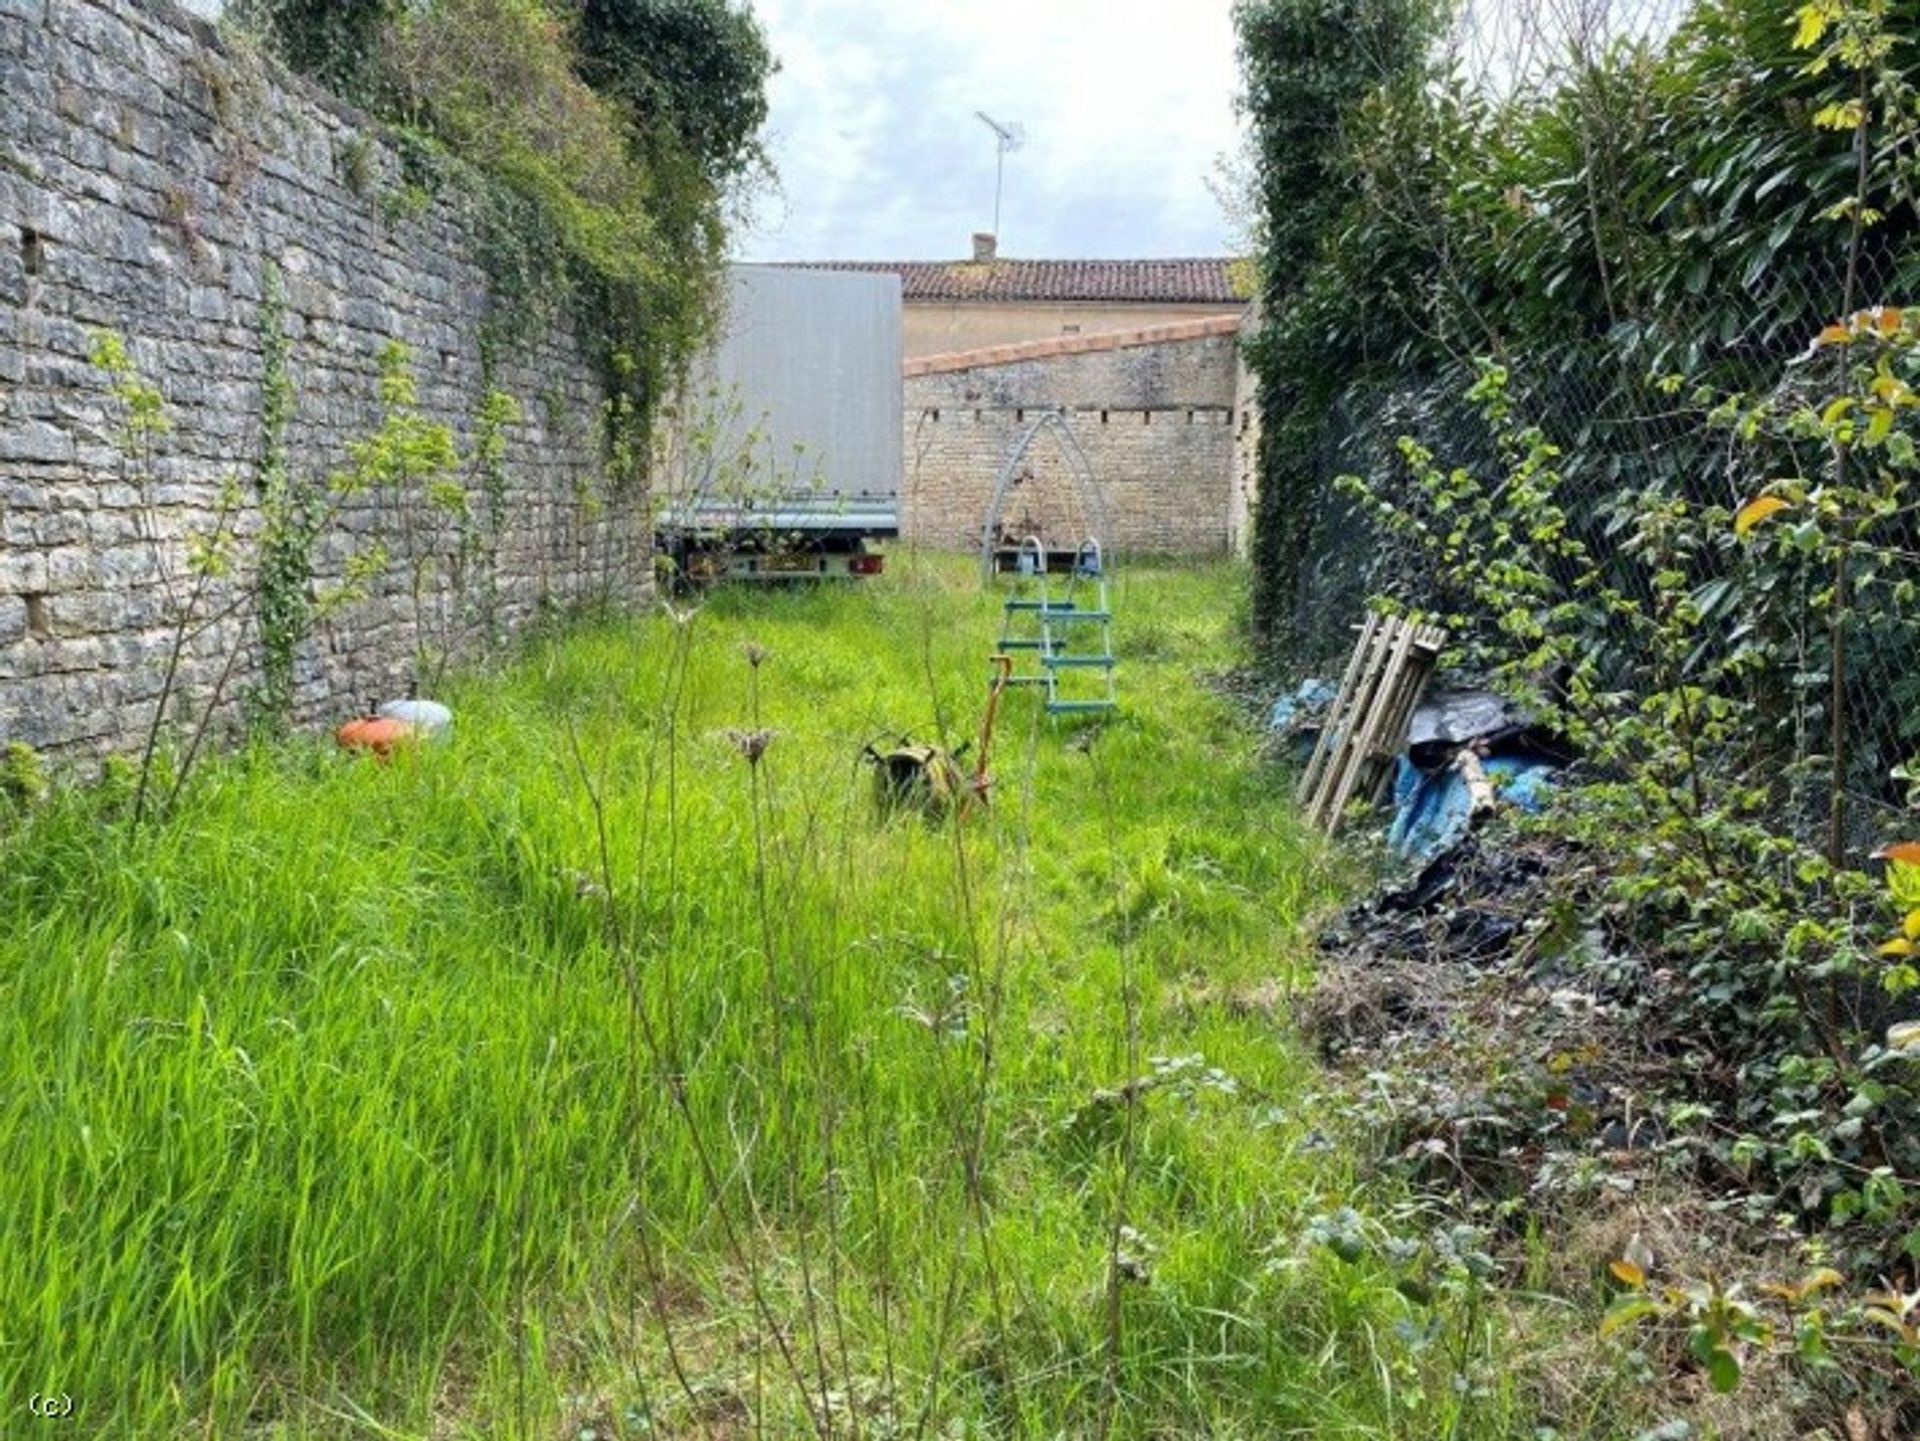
(581, 1074)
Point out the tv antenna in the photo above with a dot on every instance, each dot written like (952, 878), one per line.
(1007, 139)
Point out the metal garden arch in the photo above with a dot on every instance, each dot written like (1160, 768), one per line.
(1078, 467)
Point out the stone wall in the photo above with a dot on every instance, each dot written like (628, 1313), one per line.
(1154, 411)
(149, 173)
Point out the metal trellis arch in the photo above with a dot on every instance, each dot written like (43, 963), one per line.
(1085, 486)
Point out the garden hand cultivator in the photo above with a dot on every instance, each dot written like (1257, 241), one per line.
(931, 778)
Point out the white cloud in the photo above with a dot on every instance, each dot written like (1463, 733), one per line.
(1126, 105)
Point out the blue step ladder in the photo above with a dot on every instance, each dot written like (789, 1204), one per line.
(1068, 635)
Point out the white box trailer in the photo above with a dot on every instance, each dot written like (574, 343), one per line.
(785, 459)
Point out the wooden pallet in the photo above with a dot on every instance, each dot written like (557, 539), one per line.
(1367, 723)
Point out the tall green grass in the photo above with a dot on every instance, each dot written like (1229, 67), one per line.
(582, 1074)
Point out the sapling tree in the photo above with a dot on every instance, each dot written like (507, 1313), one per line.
(410, 465)
(483, 526)
(297, 511)
(714, 464)
(193, 602)
(211, 574)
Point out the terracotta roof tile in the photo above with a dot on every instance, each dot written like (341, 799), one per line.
(1072, 345)
(1219, 280)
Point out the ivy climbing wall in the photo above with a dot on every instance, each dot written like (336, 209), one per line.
(164, 184)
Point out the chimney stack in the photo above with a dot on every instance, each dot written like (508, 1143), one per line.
(985, 246)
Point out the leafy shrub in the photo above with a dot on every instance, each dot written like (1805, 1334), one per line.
(24, 781)
(606, 204)
(334, 41)
(1778, 998)
(1308, 67)
(494, 79)
(1682, 561)
(697, 69)
(1590, 233)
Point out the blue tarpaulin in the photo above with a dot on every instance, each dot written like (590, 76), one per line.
(1298, 715)
(1306, 703)
(1435, 778)
(1433, 809)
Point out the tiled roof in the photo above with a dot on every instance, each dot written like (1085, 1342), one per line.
(1072, 345)
(1220, 280)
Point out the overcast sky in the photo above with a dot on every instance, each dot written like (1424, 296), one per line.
(1126, 104)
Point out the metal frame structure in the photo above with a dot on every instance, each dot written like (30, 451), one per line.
(1078, 466)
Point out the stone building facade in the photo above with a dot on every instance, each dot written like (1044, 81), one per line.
(150, 172)
(1141, 355)
(1159, 413)
(953, 306)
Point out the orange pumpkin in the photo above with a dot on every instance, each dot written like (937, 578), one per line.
(378, 736)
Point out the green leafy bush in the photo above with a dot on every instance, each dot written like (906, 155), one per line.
(606, 200)
(1308, 67)
(575, 215)
(693, 69)
(1660, 208)
(1634, 313)
(1766, 954)
(334, 41)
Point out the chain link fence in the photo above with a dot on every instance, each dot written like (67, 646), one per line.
(1628, 432)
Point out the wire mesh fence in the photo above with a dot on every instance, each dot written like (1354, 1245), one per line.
(1618, 203)
(1632, 411)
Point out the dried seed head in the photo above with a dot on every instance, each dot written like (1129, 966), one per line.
(751, 744)
(754, 653)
